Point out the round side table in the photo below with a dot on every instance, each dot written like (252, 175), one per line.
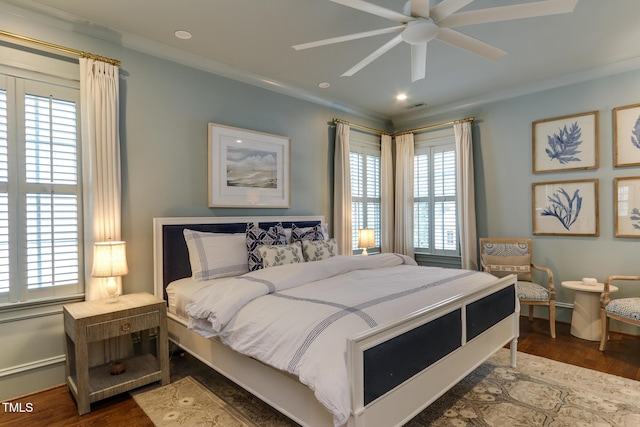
(585, 318)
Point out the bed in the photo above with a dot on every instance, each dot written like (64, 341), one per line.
(393, 369)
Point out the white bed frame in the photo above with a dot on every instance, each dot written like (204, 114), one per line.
(285, 393)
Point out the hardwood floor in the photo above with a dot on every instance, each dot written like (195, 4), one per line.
(56, 408)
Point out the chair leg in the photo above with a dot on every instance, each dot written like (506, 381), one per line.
(604, 320)
(530, 313)
(552, 318)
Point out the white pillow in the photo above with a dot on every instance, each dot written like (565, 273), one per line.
(274, 255)
(214, 255)
(316, 250)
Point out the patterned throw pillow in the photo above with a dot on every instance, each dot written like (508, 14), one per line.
(299, 234)
(256, 237)
(316, 250)
(273, 255)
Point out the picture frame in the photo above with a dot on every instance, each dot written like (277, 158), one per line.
(247, 168)
(626, 135)
(565, 208)
(627, 206)
(566, 143)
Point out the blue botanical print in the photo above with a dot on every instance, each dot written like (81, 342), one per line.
(635, 218)
(635, 134)
(564, 145)
(564, 207)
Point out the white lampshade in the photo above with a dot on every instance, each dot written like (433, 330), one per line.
(366, 238)
(109, 259)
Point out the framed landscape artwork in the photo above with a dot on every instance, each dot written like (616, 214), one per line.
(626, 131)
(627, 206)
(248, 168)
(565, 208)
(566, 143)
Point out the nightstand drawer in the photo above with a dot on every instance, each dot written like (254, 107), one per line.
(122, 326)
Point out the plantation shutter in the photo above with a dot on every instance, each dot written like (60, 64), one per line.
(364, 160)
(4, 200)
(435, 200)
(51, 201)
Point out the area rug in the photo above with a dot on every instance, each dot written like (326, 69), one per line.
(187, 403)
(539, 392)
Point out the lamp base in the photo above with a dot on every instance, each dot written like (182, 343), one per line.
(112, 299)
(364, 252)
(117, 367)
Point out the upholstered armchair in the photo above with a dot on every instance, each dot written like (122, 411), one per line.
(623, 309)
(504, 256)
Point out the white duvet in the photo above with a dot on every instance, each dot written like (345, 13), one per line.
(298, 317)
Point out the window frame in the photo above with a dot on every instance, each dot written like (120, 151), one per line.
(429, 144)
(18, 82)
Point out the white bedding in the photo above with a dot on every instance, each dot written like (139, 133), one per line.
(298, 317)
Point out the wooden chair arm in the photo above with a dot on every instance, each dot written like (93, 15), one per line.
(549, 273)
(605, 296)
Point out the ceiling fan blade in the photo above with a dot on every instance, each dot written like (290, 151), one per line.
(348, 37)
(375, 10)
(418, 61)
(447, 7)
(505, 13)
(420, 8)
(463, 41)
(375, 55)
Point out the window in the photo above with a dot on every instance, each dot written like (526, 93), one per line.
(40, 191)
(435, 204)
(364, 159)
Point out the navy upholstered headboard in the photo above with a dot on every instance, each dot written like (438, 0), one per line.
(171, 257)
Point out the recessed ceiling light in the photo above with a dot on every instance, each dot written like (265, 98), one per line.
(323, 85)
(184, 35)
(401, 96)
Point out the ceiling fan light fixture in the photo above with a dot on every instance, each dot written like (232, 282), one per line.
(420, 31)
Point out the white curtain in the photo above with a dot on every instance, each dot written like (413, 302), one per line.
(466, 195)
(99, 99)
(342, 191)
(386, 195)
(403, 242)
(99, 92)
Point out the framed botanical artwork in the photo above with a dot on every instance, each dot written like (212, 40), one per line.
(248, 168)
(627, 206)
(566, 143)
(626, 135)
(565, 208)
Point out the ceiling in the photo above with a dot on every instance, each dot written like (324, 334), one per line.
(251, 40)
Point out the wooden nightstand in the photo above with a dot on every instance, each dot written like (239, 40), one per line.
(89, 321)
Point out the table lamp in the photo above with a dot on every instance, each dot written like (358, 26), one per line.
(366, 239)
(110, 261)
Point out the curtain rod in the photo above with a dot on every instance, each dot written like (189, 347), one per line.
(421, 129)
(436, 126)
(64, 49)
(367, 128)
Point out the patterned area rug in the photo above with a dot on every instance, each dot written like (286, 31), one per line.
(187, 403)
(539, 392)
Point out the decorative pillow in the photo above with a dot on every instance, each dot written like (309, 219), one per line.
(501, 266)
(214, 255)
(299, 234)
(273, 255)
(316, 250)
(256, 236)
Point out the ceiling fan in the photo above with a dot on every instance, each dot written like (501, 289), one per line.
(419, 25)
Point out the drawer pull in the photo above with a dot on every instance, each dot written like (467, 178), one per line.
(125, 327)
